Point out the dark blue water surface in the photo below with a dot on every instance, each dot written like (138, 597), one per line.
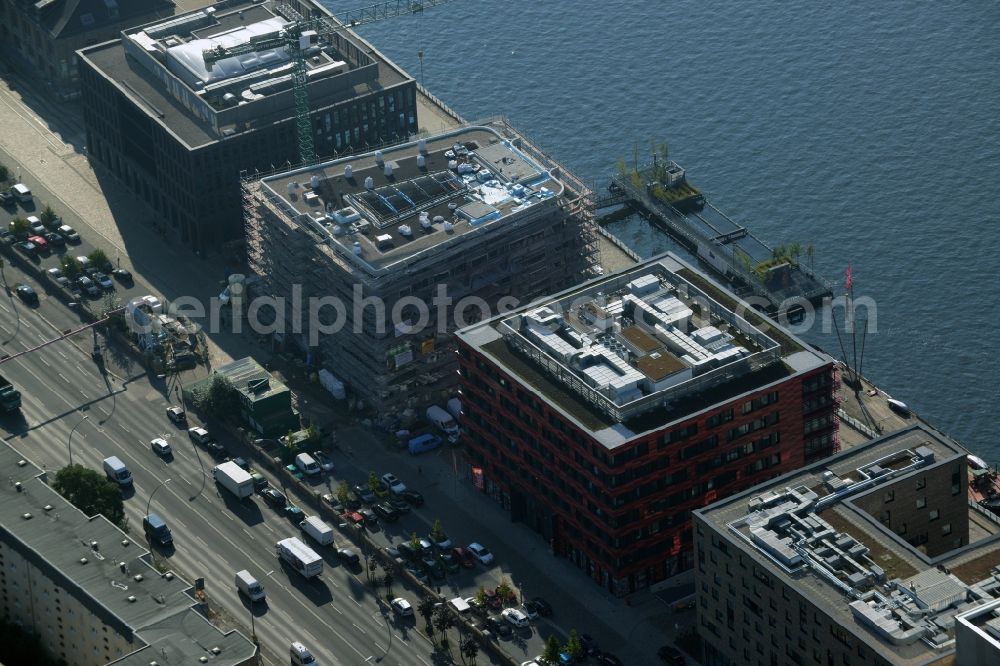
(871, 130)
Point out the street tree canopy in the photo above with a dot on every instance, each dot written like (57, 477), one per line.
(91, 492)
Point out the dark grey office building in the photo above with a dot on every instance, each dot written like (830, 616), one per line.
(177, 128)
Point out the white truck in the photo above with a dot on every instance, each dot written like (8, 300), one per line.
(320, 532)
(444, 421)
(234, 478)
(300, 557)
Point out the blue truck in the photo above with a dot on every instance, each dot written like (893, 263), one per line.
(422, 443)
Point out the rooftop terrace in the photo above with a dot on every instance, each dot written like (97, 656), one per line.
(388, 206)
(635, 350)
(805, 527)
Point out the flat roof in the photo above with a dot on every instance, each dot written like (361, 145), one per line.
(876, 563)
(639, 349)
(384, 207)
(83, 556)
(160, 66)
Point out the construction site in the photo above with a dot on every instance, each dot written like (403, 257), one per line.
(414, 242)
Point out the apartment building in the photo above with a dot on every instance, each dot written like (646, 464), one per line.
(368, 264)
(817, 567)
(176, 122)
(603, 415)
(89, 591)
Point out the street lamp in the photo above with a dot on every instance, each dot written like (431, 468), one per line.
(69, 441)
(150, 500)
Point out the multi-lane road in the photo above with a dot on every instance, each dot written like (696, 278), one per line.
(61, 385)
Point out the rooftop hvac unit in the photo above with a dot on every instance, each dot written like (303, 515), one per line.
(378, 157)
(438, 219)
(422, 147)
(348, 171)
(421, 161)
(448, 226)
(314, 182)
(388, 169)
(425, 221)
(356, 249)
(291, 188)
(404, 230)
(369, 183)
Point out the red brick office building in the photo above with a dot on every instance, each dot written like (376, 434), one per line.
(604, 416)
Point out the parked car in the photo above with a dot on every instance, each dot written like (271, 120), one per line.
(274, 497)
(501, 629)
(160, 447)
(433, 568)
(55, 239)
(391, 483)
(69, 234)
(541, 606)
(7, 237)
(608, 659)
(365, 493)
(671, 656)
(515, 617)
(481, 553)
(36, 225)
(7, 199)
(26, 294)
(325, 462)
(408, 552)
(122, 275)
(331, 501)
(40, 243)
(402, 607)
(444, 543)
(413, 497)
(354, 518)
(384, 511)
(54, 274)
(400, 505)
(529, 611)
(27, 247)
(371, 520)
(451, 565)
(105, 282)
(176, 414)
(88, 286)
(463, 557)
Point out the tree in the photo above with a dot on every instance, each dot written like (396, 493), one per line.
(550, 655)
(70, 266)
(387, 581)
(312, 434)
(481, 596)
(443, 621)
(504, 590)
(91, 492)
(470, 649)
(426, 609)
(437, 531)
(20, 228)
(415, 542)
(4, 173)
(574, 646)
(48, 216)
(343, 493)
(98, 257)
(219, 399)
(373, 483)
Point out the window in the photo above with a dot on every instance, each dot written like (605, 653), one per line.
(934, 515)
(946, 529)
(888, 496)
(921, 483)
(921, 502)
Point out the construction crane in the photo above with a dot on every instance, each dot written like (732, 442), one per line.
(298, 36)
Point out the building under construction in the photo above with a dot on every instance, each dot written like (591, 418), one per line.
(412, 242)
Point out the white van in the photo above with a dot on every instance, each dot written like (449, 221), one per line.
(301, 656)
(117, 471)
(307, 464)
(249, 586)
(21, 192)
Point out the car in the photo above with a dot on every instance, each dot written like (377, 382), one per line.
(122, 275)
(84, 262)
(274, 497)
(36, 225)
(40, 243)
(433, 568)
(87, 285)
(26, 294)
(671, 656)
(451, 565)
(199, 435)
(515, 617)
(365, 493)
(463, 557)
(7, 237)
(392, 484)
(408, 552)
(371, 520)
(104, 281)
(537, 661)
(608, 659)
(259, 482)
(331, 501)
(393, 552)
(354, 518)
(54, 274)
(348, 556)
(402, 607)
(241, 462)
(444, 543)
(106, 267)
(529, 611)
(160, 447)
(27, 247)
(413, 497)
(589, 644)
(176, 414)
(386, 512)
(7, 199)
(216, 450)
(501, 629)
(481, 553)
(426, 547)
(55, 239)
(324, 461)
(64, 282)
(400, 505)
(68, 233)
(542, 607)
(294, 513)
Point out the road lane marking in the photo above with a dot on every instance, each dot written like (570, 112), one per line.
(359, 628)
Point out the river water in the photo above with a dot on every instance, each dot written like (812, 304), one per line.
(869, 130)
